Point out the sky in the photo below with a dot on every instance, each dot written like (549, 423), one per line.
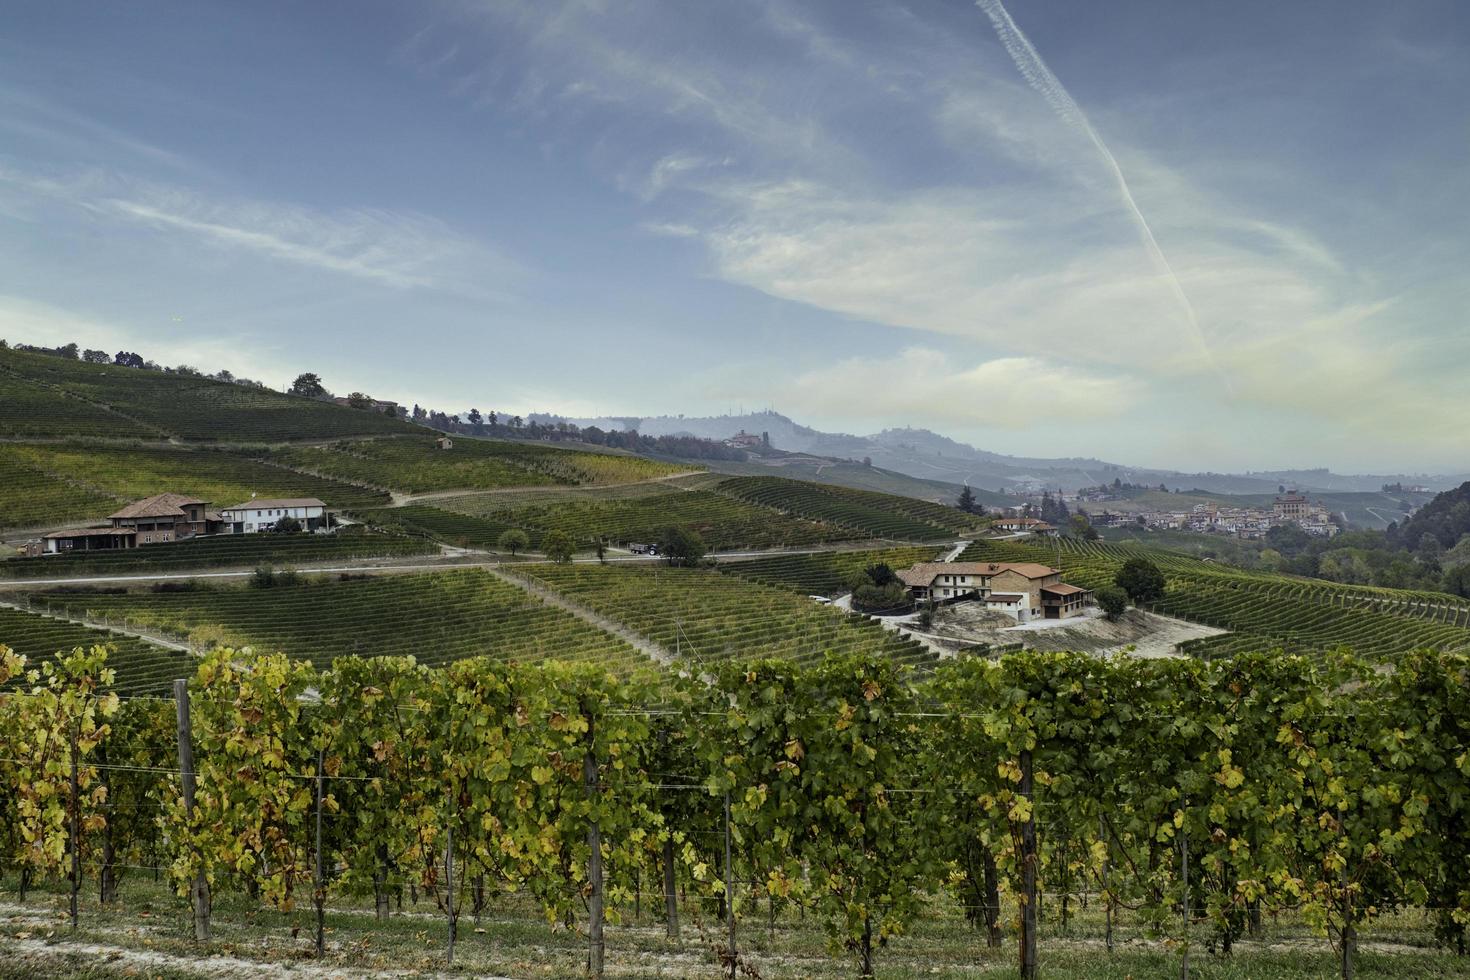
(1196, 236)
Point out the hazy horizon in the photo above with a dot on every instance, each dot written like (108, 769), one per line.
(1157, 234)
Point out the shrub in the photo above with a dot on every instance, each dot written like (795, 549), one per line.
(876, 597)
(1111, 600)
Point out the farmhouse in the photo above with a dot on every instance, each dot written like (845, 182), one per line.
(744, 440)
(947, 581)
(152, 520)
(1025, 525)
(1025, 590)
(262, 513)
(444, 442)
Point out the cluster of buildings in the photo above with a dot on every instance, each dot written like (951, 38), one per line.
(1240, 522)
(1022, 590)
(166, 517)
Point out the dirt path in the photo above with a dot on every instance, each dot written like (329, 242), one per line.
(1137, 633)
(638, 641)
(400, 499)
(39, 953)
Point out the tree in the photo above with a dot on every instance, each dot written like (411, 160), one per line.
(1111, 600)
(1457, 581)
(966, 502)
(515, 422)
(493, 420)
(96, 357)
(477, 421)
(127, 358)
(287, 525)
(1082, 527)
(558, 546)
(358, 400)
(308, 385)
(681, 546)
(1141, 579)
(513, 540)
(68, 351)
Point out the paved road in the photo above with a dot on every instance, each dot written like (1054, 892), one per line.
(450, 562)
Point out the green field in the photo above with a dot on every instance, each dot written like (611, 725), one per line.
(705, 616)
(876, 515)
(416, 465)
(1262, 610)
(42, 395)
(221, 551)
(142, 668)
(435, 617)
(823, 573)
(54, 483)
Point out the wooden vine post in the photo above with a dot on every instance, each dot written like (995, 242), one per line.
(1184, 903)
(594, 859)
(74, 834)
(729, 888)
(319, 890)
(671, 897)
(199, 888)
(1028, 871)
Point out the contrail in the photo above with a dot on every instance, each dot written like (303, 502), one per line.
(1040, 77)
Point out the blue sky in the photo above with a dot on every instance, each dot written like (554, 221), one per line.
(1192, 235)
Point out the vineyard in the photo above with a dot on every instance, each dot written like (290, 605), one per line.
(435, 617)
(442, 525)
(1290, 810)
(30, 410)
(876, 515)
(145, 668)
(56, 483)
(824, 573)
(707, 617)
(32, 497)
(125, 402)
(1262, 610)
(415, 465)
(221, 551)
(724, 522)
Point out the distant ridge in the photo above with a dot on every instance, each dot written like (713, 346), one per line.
(927, 455)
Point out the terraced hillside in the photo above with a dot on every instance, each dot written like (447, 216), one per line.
(876, 515)
(434, 617)
(49, 396)
(142, 668)
(415, 465)
(706, 616)
(221, 551)
(822, 573)
(49, 484)
(1262, 610)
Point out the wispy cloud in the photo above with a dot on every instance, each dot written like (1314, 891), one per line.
(394, 249)
(925, 385)
(1041, 78)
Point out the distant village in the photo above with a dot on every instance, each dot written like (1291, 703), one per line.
(1248, 522)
